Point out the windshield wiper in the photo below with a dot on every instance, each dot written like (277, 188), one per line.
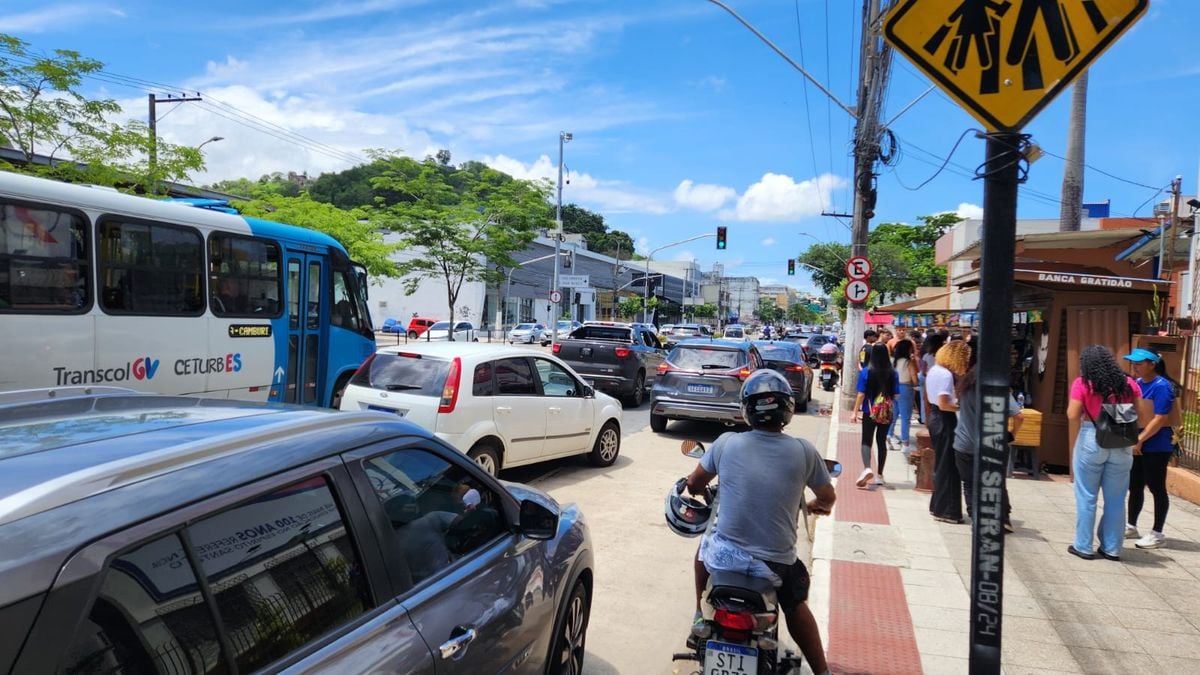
(401, 387)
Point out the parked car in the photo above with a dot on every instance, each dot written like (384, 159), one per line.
(418, 325)
(702, 380)
(565, 327)
(789, 359)
(528, 333)
(154, 533)
(619, 359)
(464, 331)
(520, 406)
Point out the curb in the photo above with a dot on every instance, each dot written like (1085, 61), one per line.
(821, 529)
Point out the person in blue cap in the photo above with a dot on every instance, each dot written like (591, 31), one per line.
(1154, 447)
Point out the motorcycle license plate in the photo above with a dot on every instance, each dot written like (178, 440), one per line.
(722, 658)
(826, 375)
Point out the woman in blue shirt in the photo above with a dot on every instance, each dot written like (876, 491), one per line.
(878, 379)
(1153, 449)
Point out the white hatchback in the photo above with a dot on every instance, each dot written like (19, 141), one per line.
(503, 406)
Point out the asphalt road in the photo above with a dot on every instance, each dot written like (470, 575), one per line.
(644, 599)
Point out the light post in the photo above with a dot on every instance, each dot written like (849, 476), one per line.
(805, 234)
(214, 139)
(563, 138)
(646, 282)
(508, 285)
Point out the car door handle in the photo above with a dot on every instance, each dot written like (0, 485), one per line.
(554, 409)
(503, 409)
(454, 647)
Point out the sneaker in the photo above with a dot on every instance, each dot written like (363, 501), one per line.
(878, 481)
(1151, 540)
(1131, 532)
(1080, 554)
(893, 443)
(864, 477)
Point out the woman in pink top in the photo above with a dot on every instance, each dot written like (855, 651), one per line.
(1099, 470)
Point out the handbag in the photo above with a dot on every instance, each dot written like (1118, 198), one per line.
(881, 409)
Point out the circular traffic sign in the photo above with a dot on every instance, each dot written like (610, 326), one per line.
(858, 267)
(857, 291)
(555, 296)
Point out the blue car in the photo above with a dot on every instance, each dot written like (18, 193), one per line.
(148, 533)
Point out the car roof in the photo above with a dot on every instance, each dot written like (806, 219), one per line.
(740, 345)
(444, 349)
(80, 463)
(781, 344)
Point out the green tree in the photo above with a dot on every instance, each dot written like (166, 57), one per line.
(43, 112)
(632, 306)
(917, 244)
(829, 261)
(704, 311)
(267, 185)
(463, 222)
(351, 229)
(613, 243)
(351, 188)
(768, 311)
(803, 314)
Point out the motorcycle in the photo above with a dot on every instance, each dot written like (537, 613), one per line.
(829, 360)
(739, 634)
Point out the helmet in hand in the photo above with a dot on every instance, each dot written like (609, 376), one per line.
(688, 516)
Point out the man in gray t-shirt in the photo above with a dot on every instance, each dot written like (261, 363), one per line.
(763, 475)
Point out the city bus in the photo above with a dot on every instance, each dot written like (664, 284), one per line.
(172, 296)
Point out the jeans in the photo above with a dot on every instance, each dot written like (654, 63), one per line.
(1100, 471)
(903, 417)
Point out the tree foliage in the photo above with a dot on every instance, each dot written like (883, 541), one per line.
(612, 243)
(769, 311)
(828, 259)
(461, 223)
(352, 188)
(42, 112)
(631, 307)
(272, 184)
(704, 311)
(803, 314)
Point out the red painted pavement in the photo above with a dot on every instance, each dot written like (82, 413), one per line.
(870, 629)
(855, 504)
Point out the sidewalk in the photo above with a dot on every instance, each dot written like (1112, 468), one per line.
(890, 583)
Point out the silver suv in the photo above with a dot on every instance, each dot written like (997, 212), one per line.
(702, 380)
(146, 533)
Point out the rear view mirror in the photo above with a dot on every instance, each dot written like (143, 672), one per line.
(693, 449)
(834, 467)
(537, 521)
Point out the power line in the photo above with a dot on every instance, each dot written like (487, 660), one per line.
(812, 144)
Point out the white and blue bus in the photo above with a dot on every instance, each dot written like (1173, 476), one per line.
(172, 296)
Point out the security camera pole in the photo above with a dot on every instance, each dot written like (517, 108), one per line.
(563, 137)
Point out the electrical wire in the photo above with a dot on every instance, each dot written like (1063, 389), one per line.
(812, 145)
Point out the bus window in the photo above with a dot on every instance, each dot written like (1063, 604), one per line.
(244, 276)
(293, 291)
(314, 296)
(44, 261)
(345, 311)
(150, 269)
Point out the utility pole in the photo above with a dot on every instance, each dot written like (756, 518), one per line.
(1072, 183)
(1168, 239)
(563, 137)
(153, 99)
(875, 60)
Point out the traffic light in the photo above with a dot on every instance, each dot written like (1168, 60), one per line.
(721, 238)
(567, 260)
(791, 267)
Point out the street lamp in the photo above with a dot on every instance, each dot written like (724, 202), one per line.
(214, 139)
(805, 234)
(563, 138)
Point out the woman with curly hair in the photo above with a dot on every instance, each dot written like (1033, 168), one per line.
(1100, 470)
(951, 362)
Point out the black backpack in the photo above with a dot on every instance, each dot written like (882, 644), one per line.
(1117, 425)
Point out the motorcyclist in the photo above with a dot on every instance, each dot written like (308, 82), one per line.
(763, 475)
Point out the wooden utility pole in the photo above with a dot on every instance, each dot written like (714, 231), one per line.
(875, 61)
(153, 99)
(1072, 182)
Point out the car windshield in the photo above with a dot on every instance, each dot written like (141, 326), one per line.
(705, 358)
(441, 325)
(618, 333)
(524, 326)
(680, 330)
(779, 353)
(409, 373)
(817, 340)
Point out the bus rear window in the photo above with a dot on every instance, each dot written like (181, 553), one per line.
(407, 373)
(43, 261)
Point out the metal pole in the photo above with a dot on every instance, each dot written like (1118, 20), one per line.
(646, 298)
(1001, 178)
(563, 137)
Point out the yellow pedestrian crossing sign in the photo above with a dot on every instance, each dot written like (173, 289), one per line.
(1005, 60)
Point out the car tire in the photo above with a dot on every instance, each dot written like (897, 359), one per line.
(412, 335)
(607, 446)
(567, 651)
(638, 396)
(801, 406)
(658, 423)
(487, 458)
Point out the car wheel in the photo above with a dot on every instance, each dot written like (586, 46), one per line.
(412, 335)
(658, 423)
(487, 458)
(607, 447)
(566, 656)
(638, 395)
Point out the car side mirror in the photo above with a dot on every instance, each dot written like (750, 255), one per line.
(587, 392)
(537, 521)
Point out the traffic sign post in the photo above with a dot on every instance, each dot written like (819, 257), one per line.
(556, 296)
(858, 267)
(1003, 61)
(857, 291)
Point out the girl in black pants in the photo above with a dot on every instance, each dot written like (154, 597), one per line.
(877, 379)
(952, 361)
(1154, 447)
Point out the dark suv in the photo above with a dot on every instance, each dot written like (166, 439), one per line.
(161, 534)
(702, 380)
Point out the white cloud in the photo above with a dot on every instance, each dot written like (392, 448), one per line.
(717, 84)
(969, 210)
(779, 198)
(769, 241)
(609, 196)
(702, 196)
(685, 256)
(642, 245)
(40, 20)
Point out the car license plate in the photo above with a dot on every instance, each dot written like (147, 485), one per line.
(722, 658)
(398, 413)
(701, 389)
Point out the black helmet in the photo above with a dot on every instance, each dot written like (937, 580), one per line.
(767, 400)
(686, 515)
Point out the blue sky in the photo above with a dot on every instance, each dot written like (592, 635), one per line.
(682, 119)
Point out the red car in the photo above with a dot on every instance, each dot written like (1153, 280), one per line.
(418, 325)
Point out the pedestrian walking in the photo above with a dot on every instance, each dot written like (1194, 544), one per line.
(875, 405)
(1154, 447)
(966, 441)
(906, 372)
(951, 362)
(864, 354)
(1100, 469)
(933, 342)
